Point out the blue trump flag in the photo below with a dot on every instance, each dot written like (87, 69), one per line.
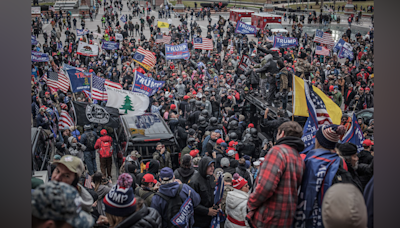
(81, 32)
(109, 45)
(33, 40)
(39, 57)
(244, 28)
(285, 42)
(180, 51)
(354, 135)
(218, 194)
(147, 86)
(79, 80)
(123, 18)
(345, 53)
(186, 212)
(339, 45)
(146, 121)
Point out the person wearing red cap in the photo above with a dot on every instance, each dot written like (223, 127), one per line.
(105, 150)
(369, 98)
(365, 156)
(147, 188)
(236, 203)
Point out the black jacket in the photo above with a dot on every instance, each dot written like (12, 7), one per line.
(204, 185)
(365, 157)
(146, 217)
(184, 174)
(274, 124)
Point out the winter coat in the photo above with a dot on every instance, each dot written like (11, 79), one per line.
(303, 66)
(236, 206)
(165, 161)
(86, 199)
(338, 98)
(101, 192)
(184, 174)
(42, 121)
(170, 190)
(204, 185)
(84, 137)
(146, 217)
(227, 188)
(142, 193)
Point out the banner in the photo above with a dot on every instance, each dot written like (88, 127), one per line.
(162, 24)
(180, 51)
(127, 102)
(79, 80)
(244, 28)
(118, 36)
(86, 49)
(33, 40)
(81, 32)
(109, 45)
(92, 113)
(145, 85)
(39, 57)
(285, 42)
(354, 135)
(341, 43)
(345, 53)
(245, 64)
(182, 219)
(123, 18)
(35, 10)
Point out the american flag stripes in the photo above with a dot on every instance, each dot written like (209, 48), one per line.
(163, 39)
(145, 58)
(324, 38)
(65, 120)
(320, 50)
(316, 107)
(57, 80)
(202, 43)
(99, 92)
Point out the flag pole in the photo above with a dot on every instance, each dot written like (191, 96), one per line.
(91, 86)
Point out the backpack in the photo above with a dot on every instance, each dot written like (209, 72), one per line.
(173, 206)
(106, 149)
(91, 141)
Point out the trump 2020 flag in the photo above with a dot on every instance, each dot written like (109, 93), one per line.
(186, 212)
(218, 194)
(109, 45)
(147, 86)
(285, 42)
(243, 28)
(127, 102)
(79, 80)
(354, 135)
(345, 53)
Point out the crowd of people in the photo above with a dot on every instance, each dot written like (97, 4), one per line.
(205, 102)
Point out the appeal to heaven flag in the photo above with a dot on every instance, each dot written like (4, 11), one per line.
(127, 102)
(162, 24)
(300, 102)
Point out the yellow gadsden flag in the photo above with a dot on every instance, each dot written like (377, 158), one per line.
(300, 103)
(161, 24)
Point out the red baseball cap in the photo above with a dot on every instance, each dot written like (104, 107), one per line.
(184, 76)
(219, 141)
(368, 142)
(194, 93)
(47, 93)
(367, 89)
(173, 106)
(185, 97)
(361, 89)
(193, 153)
(251, 125)
(229, 97)
(149, 178)
(91, 70)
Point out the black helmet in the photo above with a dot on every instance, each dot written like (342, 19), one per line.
(233, 125)
(202, 120)
(198, 104)
(253, 132)
(191, 141)
(192, 101)
(204, 112)
(213, 121)
(191, 131)
(233, 136)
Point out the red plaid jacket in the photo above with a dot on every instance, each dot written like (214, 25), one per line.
(274, 200)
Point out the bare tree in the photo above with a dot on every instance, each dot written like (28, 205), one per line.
(316, 2)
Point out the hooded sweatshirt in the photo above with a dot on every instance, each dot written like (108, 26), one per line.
(236, 206)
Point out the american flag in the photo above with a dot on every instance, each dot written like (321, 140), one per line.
(57, 80)
(316, 107)
(65, 120)
(87, 94)
(163, 39)
(322, 51)
(324, 38)
(203, 43)
(99, 92)
(145, 58)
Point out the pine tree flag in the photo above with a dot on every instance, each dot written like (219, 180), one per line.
(127, 102)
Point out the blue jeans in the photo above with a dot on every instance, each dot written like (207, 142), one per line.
(90, 160)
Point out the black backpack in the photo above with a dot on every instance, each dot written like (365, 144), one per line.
(173, 204)
(91, 141)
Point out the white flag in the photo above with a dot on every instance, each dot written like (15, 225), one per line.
(118, 36)
(87, 49)
(127, 102)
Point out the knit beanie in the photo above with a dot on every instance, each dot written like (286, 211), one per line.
(347, 149)
(329, 135)
(120, 200)
(238, 182)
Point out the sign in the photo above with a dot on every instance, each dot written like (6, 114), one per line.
(86, 49)
(39, 57)
(345, 53)
(180, 51)
(118, 36)
(79, 80)
(285, 42)
(81, 32)
(245, 64)
(33, 40)
(244, 28)
(145, 85)
(109, 45)
(35, 10)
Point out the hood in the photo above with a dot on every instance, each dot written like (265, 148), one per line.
(185, 172)
(153, 167)
(293, 142)
(169, 189)
(268, 57)
(344, 206)
(106, 138)
(203, 164)
(237, 198)
(86, 199)
(34, 99)
(182, 122)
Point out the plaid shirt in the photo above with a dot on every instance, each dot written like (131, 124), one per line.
(274, 200)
